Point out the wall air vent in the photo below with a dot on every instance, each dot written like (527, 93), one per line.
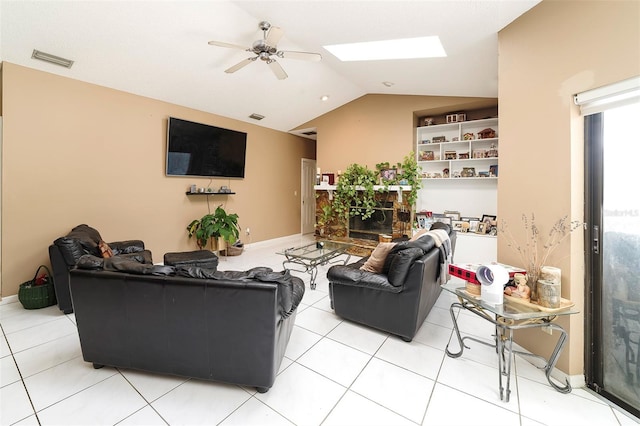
(52, 59)
(256, 116)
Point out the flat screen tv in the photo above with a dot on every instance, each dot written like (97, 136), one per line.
(195, 149)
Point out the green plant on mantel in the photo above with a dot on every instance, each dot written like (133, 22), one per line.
(409, 173)
(355, 194)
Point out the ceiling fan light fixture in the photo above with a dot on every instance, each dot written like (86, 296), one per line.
(52, 59)
(404, 48)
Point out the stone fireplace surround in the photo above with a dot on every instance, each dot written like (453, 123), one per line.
(396, 211)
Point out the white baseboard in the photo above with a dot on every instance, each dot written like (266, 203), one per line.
(9, 299)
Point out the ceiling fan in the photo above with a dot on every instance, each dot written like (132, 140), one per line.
(266, 49)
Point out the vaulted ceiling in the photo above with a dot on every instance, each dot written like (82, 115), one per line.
(159, 49)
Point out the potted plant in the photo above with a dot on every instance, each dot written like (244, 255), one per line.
(216, 229)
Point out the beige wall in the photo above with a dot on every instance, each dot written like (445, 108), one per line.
(378, 128)
(554, 51)
(80, 153)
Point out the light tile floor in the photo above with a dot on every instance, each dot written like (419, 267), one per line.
(334, 373)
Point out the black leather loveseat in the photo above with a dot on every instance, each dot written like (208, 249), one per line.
(231, 326)
(397, 299)
(65, 252)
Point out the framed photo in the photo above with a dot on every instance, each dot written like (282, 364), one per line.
(457, 225)
(422, 221)
(444, 219)
(473, 225)
(482, 228)
(469, 218)
(493, 170)
(388, 174)
(454, 215)
(488, 219)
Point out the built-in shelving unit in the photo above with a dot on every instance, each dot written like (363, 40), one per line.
(455, 151)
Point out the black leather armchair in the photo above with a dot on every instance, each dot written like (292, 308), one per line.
(399, 299)
(65, 252)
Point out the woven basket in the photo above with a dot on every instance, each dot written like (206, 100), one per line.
(232, 251)
(34, 296)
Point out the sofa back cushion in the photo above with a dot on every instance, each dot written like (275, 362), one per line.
(400, 262)
(82, 240)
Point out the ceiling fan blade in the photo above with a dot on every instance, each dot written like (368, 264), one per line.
(303, 56)
(274, 36)
(229, 45)
(277, 70)
(239, 65)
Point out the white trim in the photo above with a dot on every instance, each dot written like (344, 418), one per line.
(610, 96)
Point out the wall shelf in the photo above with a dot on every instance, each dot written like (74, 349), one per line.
(209, 193)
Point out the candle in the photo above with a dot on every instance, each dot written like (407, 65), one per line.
(551, 273)
(318, 170)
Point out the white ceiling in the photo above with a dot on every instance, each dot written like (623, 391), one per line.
(159, 49)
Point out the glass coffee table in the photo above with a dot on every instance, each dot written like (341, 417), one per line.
(307, 258)
(508, 317)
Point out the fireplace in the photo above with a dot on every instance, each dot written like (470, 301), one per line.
(380, 222)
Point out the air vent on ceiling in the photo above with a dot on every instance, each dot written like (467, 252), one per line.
(311, 133)
(256, 116)
(52, 59)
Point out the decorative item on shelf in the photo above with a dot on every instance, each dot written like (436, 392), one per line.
(224, 190)
(450, 155)
(493, 170)
(445, 172)
(456, 174)
(483, 174)
(468, 172)
(427, 121)
(455, 139)
(468, 137)
(482, 228)
(535, 255)
(463, 156)
(486, 134)
(318, 176)
(426, 156)
(193, 189)
(328, 178)
(209, 190)
(493, 151)
(437, 175)
(456, 118)
(439, 139)
(479, 153)
(548, 293)
(425, 141)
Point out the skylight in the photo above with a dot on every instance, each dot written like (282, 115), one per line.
(404, 48)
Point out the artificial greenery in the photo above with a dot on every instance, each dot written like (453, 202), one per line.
(216, 225)
(410, 174)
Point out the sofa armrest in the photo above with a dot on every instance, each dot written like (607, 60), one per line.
(351, 275)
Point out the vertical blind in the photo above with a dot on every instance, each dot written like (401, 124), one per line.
(613, 95)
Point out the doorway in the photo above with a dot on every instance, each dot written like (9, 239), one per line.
(613, 258)
(307, 197)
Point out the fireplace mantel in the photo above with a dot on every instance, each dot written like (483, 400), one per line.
(361, 188)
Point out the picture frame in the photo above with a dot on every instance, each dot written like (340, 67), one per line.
(421, 219)
(469, 218)
(444, 219)
(482, 228)
(388, 174)
(473, 225)
(456, 225)
(454, 215)
(488, 219)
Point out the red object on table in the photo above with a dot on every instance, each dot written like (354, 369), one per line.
(467, 271)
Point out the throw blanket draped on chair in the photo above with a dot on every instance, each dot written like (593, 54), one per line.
(442, 241)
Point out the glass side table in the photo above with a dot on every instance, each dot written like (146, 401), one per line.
(310, 256)
(506, 318)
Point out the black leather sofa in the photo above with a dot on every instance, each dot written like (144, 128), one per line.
(398, 299)
(65, 252)
(230, 326)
